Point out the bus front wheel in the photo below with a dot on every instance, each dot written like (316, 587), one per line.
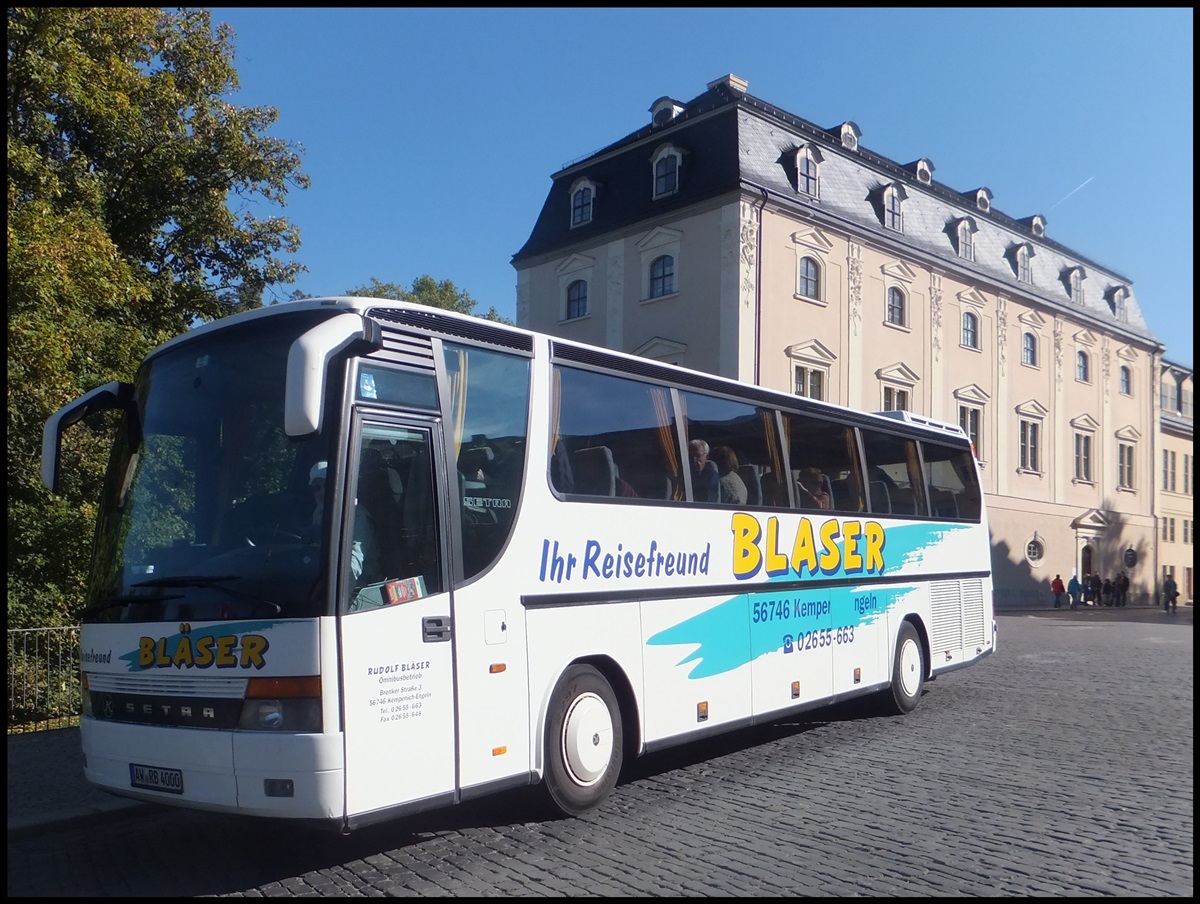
(908, 671)
(584, 741)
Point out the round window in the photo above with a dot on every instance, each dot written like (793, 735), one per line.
(1034, 551)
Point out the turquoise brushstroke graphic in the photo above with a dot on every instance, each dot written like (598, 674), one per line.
(725, 637)
(171, 643)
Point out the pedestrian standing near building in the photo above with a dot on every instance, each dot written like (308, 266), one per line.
(1074, 590)
(1057, 588)
(1121, 586)
(1170, 594)
(1106, 592)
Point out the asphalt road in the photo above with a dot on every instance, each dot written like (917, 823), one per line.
(1062, 765)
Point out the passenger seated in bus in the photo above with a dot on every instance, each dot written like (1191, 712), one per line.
(706, 481)
(363, 543)
(732, 487)
(811, 490)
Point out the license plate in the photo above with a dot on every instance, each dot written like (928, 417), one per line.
(155, 778)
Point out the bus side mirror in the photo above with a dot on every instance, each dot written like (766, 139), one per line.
(102, 398)
(308, 359)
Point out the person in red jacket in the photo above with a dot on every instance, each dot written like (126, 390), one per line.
(1057, 588)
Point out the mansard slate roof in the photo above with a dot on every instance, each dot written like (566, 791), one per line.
(731, 141)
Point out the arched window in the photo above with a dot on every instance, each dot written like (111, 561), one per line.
(666, 173)
(1077, 286)
(1023, 273)
(966, 241)
(895, 306)
(662, 276)
(581, 207)
(810, 278)
(893, 217)
(577, 305)
(1126, 376)
(806, 171)
(1029, 349)
(970, 330)
(1082, 368)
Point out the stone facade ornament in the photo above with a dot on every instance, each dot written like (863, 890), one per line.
(855, 277)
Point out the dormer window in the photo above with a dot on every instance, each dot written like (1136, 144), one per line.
(1119, 303)
(1024, 255)
(983, 199)
(583, 196)
(806, 171)
(966, 239)
(924, 172)
(893, 215)
(1074, 281)
(667, 164)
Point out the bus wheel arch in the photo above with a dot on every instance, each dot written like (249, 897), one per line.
(910, 669)
(584, 738)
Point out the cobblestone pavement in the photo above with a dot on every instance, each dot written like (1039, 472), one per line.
(1062, 765)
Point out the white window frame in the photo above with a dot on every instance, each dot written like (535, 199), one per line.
(1083, 366)
(1125, 380)
(1029, 445)
(652, 293)
(1083, 468)
(893, 209)
(820, 278)
(1075, 280)
(887, 310)
(582, 185)
(975, 331)
(664, 152)
(1024, 265)
(802, 376)
(659, 242)
(966, 241)
(1030, 349)
(895, 398)
(568, 301)
(967, 414)
(1126, 456)
(808, 184)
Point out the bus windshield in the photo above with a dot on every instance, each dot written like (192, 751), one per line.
(207, 511)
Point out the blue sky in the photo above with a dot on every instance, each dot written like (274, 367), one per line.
(431, 135)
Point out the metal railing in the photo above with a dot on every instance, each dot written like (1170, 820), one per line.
(43, 678)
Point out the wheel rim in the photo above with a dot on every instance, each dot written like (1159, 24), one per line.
(910, 668)
(587, 739)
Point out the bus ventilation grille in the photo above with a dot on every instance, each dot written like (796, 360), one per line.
(957, 615)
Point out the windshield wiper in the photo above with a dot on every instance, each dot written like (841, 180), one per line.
(113, 602)
(188, 580)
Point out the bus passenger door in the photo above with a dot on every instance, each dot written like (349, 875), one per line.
(395, 618)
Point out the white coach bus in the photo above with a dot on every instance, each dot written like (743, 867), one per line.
(356, 558)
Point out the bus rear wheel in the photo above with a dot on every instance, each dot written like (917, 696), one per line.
(584, 741)
(908, 672)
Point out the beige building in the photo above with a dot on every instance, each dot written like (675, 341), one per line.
(733, 237)
(1177, 478)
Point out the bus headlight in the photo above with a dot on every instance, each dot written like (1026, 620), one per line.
(282, 704)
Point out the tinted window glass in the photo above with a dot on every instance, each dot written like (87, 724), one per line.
(824, 465)
(613, 437)
(953, 482)
(893, 475)
(740, 443)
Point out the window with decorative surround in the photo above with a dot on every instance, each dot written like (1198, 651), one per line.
(577, 299)
(1125, 466)
(970, 330)
(1029, 349)
(667, 164)
(1083, 457)
(1030, 458)
(896, 306)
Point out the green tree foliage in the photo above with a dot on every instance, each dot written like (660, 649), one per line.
(428, 291)
(131, 181)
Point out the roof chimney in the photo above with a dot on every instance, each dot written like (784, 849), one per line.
(731, 81)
